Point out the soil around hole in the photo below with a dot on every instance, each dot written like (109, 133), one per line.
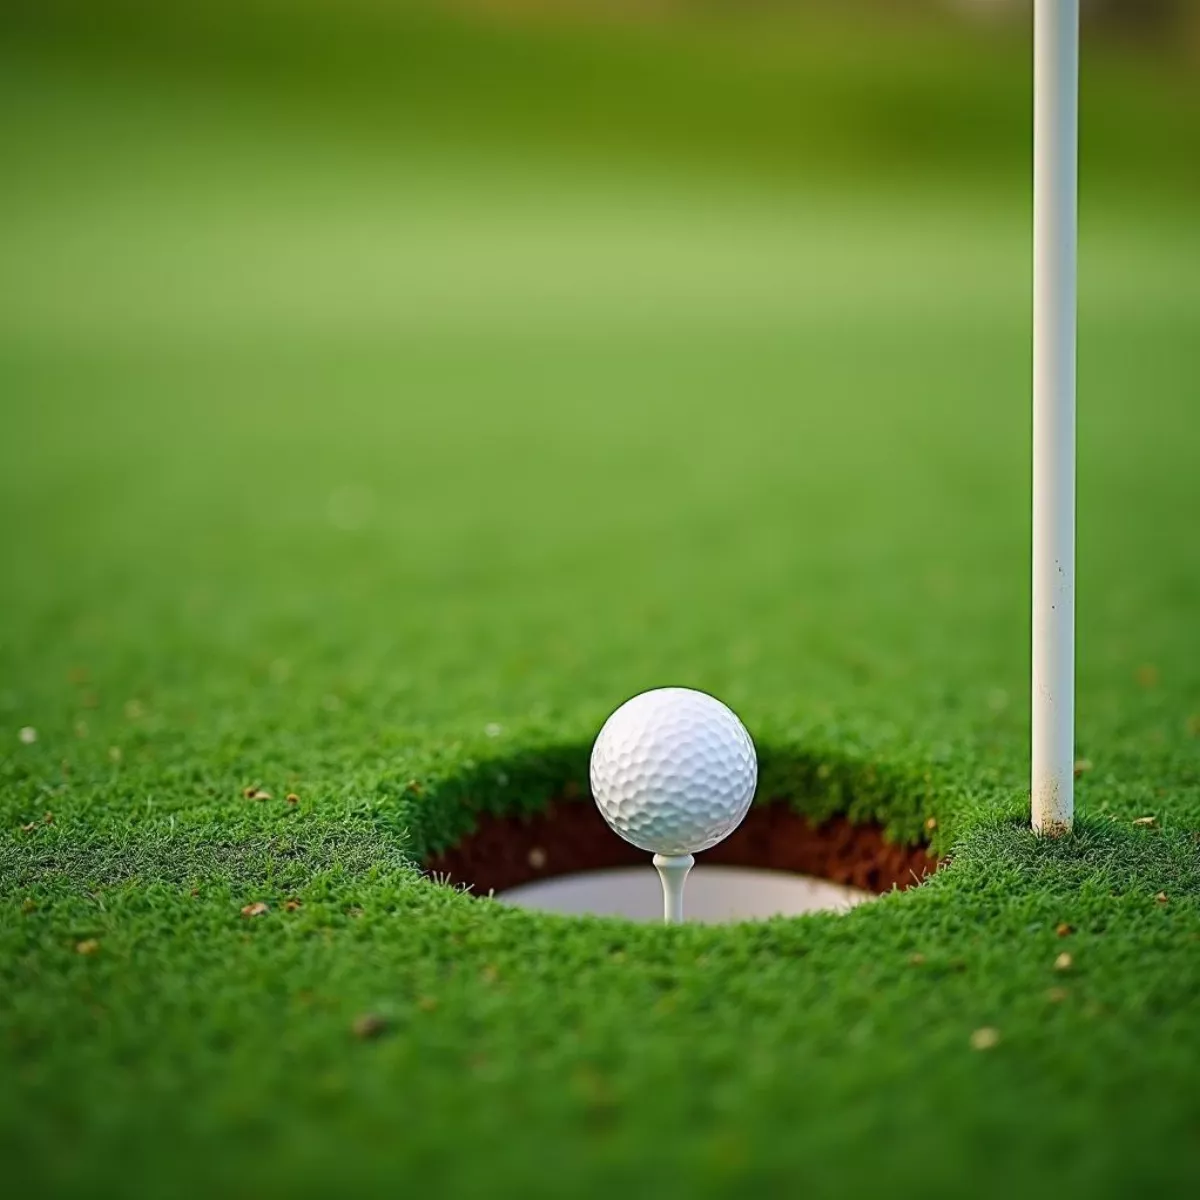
(571, 836)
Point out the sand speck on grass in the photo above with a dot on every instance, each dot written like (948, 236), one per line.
(985, 1038)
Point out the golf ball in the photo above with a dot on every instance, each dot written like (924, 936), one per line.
(673, 771)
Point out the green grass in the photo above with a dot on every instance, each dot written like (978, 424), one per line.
(323, 457)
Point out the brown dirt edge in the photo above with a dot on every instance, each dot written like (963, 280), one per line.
(571, 836)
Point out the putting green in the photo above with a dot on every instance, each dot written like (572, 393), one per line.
(377, 480)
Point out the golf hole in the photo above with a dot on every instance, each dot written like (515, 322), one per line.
(777, 863)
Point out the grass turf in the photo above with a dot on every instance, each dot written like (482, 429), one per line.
(381, 479)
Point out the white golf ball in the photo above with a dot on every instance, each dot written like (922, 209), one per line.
(673, 771)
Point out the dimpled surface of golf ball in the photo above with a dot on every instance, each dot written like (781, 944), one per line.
(673, 771)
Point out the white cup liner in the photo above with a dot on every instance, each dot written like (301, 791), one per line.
(714, 895)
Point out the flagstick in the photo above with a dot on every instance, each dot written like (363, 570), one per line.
(1055, 152)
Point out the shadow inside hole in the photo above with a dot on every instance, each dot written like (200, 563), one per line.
(569, 837)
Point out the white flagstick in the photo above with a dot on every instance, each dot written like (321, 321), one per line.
(673, 871)
(1055, 170)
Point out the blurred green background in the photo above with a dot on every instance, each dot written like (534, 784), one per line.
(482, 306)
(318, 169)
